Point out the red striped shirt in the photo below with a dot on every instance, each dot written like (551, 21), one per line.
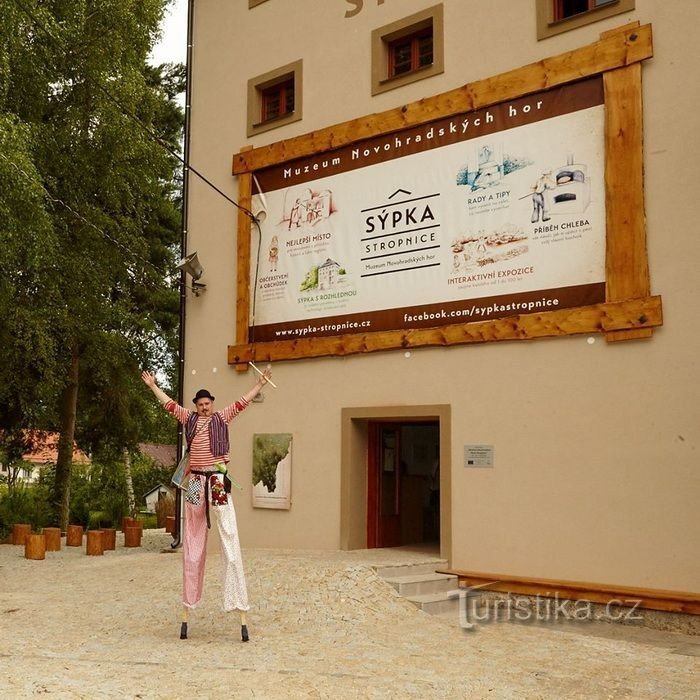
(201, 456)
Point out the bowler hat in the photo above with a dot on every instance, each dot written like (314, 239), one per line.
(202, 394)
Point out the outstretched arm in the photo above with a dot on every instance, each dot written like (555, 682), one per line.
(258, 385)
(230, 412)
(149, 380)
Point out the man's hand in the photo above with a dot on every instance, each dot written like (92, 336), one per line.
(149, 379)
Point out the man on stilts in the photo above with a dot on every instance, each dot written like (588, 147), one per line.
(207, 497)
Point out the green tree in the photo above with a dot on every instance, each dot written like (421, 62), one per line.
(28, 373)
(87, 119)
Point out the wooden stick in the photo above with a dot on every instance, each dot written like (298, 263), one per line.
(269, 381)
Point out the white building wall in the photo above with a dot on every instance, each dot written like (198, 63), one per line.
(596, 444)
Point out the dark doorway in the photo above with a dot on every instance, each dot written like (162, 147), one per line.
(403, 485)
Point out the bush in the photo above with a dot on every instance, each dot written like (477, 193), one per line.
(24, 504)
(98, 519)
(97, 495)
(146, 474)
(148, 520)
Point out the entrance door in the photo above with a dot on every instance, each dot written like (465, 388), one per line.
(403, 474)
(384, 493)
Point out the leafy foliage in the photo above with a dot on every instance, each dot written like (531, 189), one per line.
(89, 222)
(310, 281)
(98, 494)
(24, 504)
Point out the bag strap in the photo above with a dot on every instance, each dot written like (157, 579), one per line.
(196, 432)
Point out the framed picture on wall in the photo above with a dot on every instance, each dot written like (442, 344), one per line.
(272, 470)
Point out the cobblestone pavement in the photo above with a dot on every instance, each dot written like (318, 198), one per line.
(323, 625)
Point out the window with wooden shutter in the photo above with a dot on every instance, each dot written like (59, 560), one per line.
(275, 98)
(557, 16)
(408, 50)
(411, 53)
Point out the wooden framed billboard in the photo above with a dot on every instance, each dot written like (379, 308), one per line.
(511, 208)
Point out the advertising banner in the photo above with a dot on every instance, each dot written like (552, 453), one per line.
(492, 213)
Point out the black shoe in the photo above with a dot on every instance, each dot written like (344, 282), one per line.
(183, 631)
(244, 633)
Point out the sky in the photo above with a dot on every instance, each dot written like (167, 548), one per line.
(173, 44)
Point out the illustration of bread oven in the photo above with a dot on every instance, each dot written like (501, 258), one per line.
(572, 194)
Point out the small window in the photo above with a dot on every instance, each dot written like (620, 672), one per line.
(557, 16)
(564, 9)
(408, 50)
(277, 101)
(274, 98)
(411, 53)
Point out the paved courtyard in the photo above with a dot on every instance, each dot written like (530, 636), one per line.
(323, 625)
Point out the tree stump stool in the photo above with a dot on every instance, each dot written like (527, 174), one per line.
(74, 536)
(35, 546)
(170, 524)
(95, 544)
(20, 532)
(110, 538)
(53, 539)
(132, 536)
(129, 522)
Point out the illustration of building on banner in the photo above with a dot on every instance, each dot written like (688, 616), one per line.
(328, 274)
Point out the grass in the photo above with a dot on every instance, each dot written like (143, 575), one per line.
(149, 520)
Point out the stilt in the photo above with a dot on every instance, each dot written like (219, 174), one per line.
(244, 627)
(183, 626)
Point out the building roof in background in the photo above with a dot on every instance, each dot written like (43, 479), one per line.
(160, 487)
(165, 455)
(45, 450)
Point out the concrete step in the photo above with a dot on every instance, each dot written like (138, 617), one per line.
(437, 603)
(411, 569)
(418, 584)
